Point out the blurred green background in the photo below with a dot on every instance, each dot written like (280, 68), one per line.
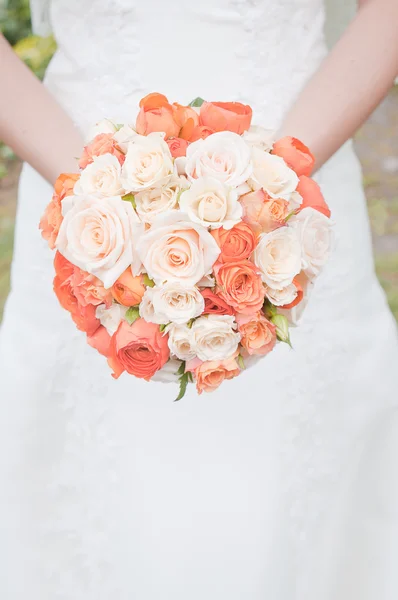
(376, 143)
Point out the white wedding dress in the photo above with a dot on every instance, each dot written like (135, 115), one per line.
(282, 485)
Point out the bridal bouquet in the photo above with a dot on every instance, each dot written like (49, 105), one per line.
(187, 242)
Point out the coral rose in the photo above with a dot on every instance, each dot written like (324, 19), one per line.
(295, 154)
(63, 268)
(104, 143)
(52, 217)
(156, 114)
(128, 290)
(236, 244)
(312, 196)
(209, 375)
(264, 213)
(186, 118)
(299, 295)
(226, 116)
(85, 318)
(258, 334)
(201, 133)
(177, 146)
(240, 285)
(100, 340)
(140, 349)
(88, 289)
(214, 304)
(64, 292)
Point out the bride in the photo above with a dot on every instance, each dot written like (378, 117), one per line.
(284, 483)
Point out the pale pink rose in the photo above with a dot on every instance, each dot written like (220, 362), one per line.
(104, 143)
(262, 212)
(88, 289)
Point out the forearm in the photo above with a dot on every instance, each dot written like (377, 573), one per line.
(32, 123)
(350, 83)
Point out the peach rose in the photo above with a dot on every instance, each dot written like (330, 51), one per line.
(258, 334)
(88, 289)
(52, 218)
(239, 284)
(64, 292)
(312, 196)
(214, 304)
(128, 290)
(263, 213)
(85, 319)
(295, 154)
(201, 133)
(209, 375)
(177, 146)
(186, 118)
(140, 349)
(104, 143)
(236, 244)
(156, 114)
(100, 340)
(226, 116)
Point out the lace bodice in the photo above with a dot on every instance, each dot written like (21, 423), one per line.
(112, 53)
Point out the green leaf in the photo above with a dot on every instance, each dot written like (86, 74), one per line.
(181, 370)
(162, 327)
(240, 362)
(282, 329)
(197, 102)
(148, 281)
(183, 386)
(190, 323)
(190, 377)
(130, 198)
(132, 314)
(269, 309)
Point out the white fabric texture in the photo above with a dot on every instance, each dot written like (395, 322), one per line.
(283, 484)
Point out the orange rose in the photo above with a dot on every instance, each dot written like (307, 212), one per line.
(186, 118)
(63, 268)
(64, 292)
(312, 195)
(100, 340)
(128, 290)
(52, 218)
(258, 334)
(263, 213)
(298, 298)
(177, 146)
(85, 319)
(103, 143)
(156, 114)
(140, 349)
(89, 290)
(236, 244)
(240, 285)
(201, 133)
(226, 116)
(209, 375)
(296, 155)
(214, 304)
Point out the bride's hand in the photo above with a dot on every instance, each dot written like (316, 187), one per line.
(32, 123)
(350, 83)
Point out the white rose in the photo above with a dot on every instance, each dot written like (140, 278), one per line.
(259, 137)
(271, 173)
(101, 177)
(168, 373)
(147, 310)
(148, 163)
(151, 203)
(178, 304)
(214, 337)
(111, 317)
(283, 296)
(224, 156)
(99, 235)
(103, 126)
(278, 257)
(124, 136)
(211, 204)
(181, 341)
(295, 200)
(315, 233)
(175, 249)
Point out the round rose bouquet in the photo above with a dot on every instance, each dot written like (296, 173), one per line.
(187, 242)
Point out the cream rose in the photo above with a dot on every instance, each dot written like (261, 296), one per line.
(168, 373)
(151, 203)
(259, 137)
(278, 257)
(177, 303)
(148, 163)
(99, 235)
(211, 204)
(224, 156)
(101, 177)
(103, 126)
(272, 174)
(181, 341)
(315, 233)
(214, 337)
(174, 249)
(110, 317)
(124, 136)
(283, 296)
(147, 310)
